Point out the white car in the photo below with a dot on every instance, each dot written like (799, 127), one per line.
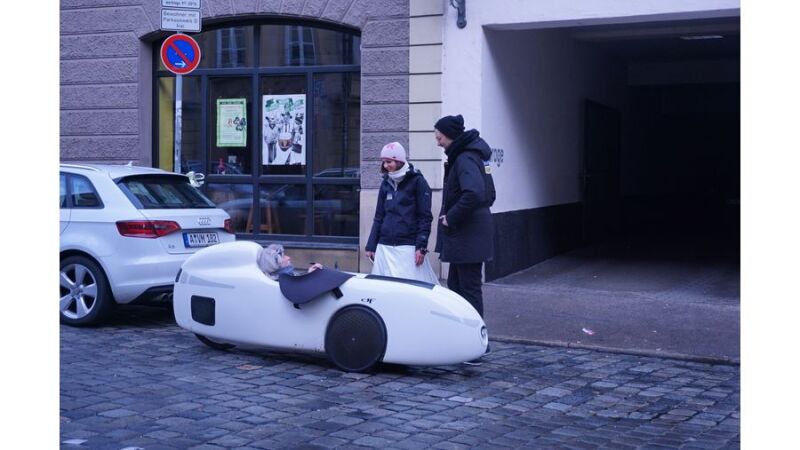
(125, 231)
(358, 320)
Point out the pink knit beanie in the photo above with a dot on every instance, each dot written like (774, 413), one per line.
(395, 151)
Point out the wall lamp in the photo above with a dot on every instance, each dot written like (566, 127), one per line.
(461, 7)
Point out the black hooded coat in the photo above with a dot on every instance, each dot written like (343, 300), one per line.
(469, 236)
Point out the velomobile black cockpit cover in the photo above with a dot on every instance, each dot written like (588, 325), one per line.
(302, 289)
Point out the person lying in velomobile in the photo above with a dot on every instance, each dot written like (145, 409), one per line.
(223, 296)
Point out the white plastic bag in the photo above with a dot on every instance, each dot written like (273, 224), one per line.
(398, 261)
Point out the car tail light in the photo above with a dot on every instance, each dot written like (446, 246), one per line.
(228, 226)
(147, 228)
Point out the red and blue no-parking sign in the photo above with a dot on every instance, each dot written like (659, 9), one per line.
(180, 54)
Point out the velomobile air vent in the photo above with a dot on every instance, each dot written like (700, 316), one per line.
(203, 310)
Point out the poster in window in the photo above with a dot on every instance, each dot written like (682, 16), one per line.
(231, 122)
(284, 129)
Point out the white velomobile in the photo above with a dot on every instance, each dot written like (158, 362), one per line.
(358, 320)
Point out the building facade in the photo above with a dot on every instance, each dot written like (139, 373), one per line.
(343, 64)
(294, 99)
(607, 117)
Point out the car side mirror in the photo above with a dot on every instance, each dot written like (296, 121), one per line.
(196, 179)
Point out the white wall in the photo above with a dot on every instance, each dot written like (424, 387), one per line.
(463, 47)
(534, 87)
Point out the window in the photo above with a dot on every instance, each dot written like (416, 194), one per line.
(232, 47)
(337, 114)
(82, 193)
(191, 124)
(163, 192)
(63, 183)
(300, 44)
(336, 210)
(292, 45)
(237, 201)
(272, 118)
(226, 158)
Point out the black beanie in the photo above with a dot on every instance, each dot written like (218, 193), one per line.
(450, 126)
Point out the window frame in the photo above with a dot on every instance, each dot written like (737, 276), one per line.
(256, 179)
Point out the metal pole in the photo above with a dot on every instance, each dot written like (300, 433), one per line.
(178, 120)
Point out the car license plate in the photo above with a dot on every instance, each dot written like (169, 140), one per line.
(200, 239)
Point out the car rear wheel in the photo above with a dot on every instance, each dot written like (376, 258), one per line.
(356, 339)
(85, 293)
(213, 344)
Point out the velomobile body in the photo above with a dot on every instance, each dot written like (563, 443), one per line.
(358, 320)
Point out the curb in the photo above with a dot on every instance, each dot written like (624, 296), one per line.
(626, 351)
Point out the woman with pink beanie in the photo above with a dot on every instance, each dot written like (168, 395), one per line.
(398, 241)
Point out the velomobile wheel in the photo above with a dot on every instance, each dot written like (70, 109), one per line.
(356, 339)
(213, 344)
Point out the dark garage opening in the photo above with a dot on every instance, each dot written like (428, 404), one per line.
(675, 176)
(660, 210)
(684, 175)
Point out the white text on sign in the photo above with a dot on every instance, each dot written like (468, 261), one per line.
(180, 20)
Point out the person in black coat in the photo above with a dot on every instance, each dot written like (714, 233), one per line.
(465, 226)
(398, 241)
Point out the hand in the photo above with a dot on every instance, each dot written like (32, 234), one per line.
(444, 220)
(314, 267)
(419, 257)
(370, 255)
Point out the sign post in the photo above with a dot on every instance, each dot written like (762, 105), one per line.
(180, 55)
(178, 122)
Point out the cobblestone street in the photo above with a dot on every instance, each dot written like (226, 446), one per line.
(142, 382)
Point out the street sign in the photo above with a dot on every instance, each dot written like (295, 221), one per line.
(192, 4)
(180, 54)
(180, 20)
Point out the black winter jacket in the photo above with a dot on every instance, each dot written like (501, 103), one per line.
(469, 236)
(402, 216)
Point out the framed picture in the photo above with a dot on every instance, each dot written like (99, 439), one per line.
(231, 122)
(285, 127)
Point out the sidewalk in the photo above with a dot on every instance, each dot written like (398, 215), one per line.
(619, 297)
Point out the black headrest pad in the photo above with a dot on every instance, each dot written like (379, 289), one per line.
(302, 289)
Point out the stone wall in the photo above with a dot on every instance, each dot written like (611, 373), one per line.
(411, 98)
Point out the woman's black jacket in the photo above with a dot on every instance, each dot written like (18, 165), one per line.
(402, 216)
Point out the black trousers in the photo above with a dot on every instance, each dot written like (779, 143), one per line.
(465, 280)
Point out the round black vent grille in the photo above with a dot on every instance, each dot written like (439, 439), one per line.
(356, 339)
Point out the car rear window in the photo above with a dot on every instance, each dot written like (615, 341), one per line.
(163, 192)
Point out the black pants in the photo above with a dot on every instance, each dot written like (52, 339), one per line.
(465, 280)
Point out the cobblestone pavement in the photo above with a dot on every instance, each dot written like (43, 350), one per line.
(143, 382)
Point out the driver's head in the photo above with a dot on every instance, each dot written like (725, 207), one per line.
(272, 259)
